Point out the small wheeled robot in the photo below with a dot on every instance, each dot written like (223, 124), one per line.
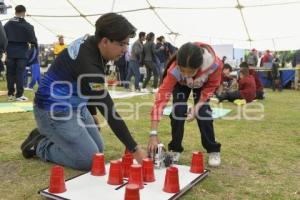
(162, 158)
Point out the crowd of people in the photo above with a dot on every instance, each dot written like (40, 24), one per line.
(144, 52)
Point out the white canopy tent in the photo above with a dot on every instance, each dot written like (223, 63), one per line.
(260, 24)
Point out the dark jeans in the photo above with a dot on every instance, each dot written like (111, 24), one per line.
(15, 75)
(276, 84)
(133, 69)
(123, 72)
(151, 67)
(204, 120)
(230, 96)
(260, 95)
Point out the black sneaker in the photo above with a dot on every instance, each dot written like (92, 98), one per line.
(28, 147)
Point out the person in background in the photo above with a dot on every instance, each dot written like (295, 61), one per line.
(3, 39)
(135, 62)
(59, 46)
(3, 44)
(169, 48)
(122, 68)
(34, 64)
(224, 59)
(227, 82)
(151, 61)
(252, 58)
(161, 54)
(275, 76)
(247, 88)
(267, 59)
(296, 64)
(19, 34)
(296, 59)
(260, 94)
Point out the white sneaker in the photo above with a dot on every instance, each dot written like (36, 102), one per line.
(175, 157)
(29, 89)
(22, 98)
(145, 90)
(11, 98)
(154, 90)
(214, 159)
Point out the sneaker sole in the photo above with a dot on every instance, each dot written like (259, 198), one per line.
(27, 144)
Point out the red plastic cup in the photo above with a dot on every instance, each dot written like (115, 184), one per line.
(171, 184)
(148, 170)
(57, 180)
(98, 166)
(197, 164)
(115, 176)
(136, 176)
(127, 161)
(132, 192)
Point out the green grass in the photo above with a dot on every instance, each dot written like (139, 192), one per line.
(260, 158)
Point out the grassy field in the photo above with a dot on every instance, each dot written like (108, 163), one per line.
(260, 158)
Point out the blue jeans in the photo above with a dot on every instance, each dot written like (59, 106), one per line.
(69, 142)
(133, 69)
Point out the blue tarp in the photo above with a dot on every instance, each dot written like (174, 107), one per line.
(285, 75)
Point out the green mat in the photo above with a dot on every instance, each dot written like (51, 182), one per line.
(16, 107)
(217, 112)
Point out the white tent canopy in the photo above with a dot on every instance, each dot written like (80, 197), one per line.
(260, 24)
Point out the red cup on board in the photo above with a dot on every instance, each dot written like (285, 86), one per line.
(171, 184)
(98, 166)
(127, 161)
(115, 176)
(57, 180)
(132, 192)
(136, 175)
(148, 170)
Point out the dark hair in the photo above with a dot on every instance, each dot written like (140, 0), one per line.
(150, 36)
(188, 55)
(159, 39)
(244, 64)
(244, 70)
(20, 9)
(142, 34)
(227, 66)
(114, 27)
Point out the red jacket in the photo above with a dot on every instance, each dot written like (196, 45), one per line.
(259, 86)
(247, 88)
(208, 78)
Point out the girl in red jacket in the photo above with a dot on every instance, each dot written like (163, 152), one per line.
(195, 68)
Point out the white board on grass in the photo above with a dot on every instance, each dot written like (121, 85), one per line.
(88, 187)
(216, 112)
(120, 94)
